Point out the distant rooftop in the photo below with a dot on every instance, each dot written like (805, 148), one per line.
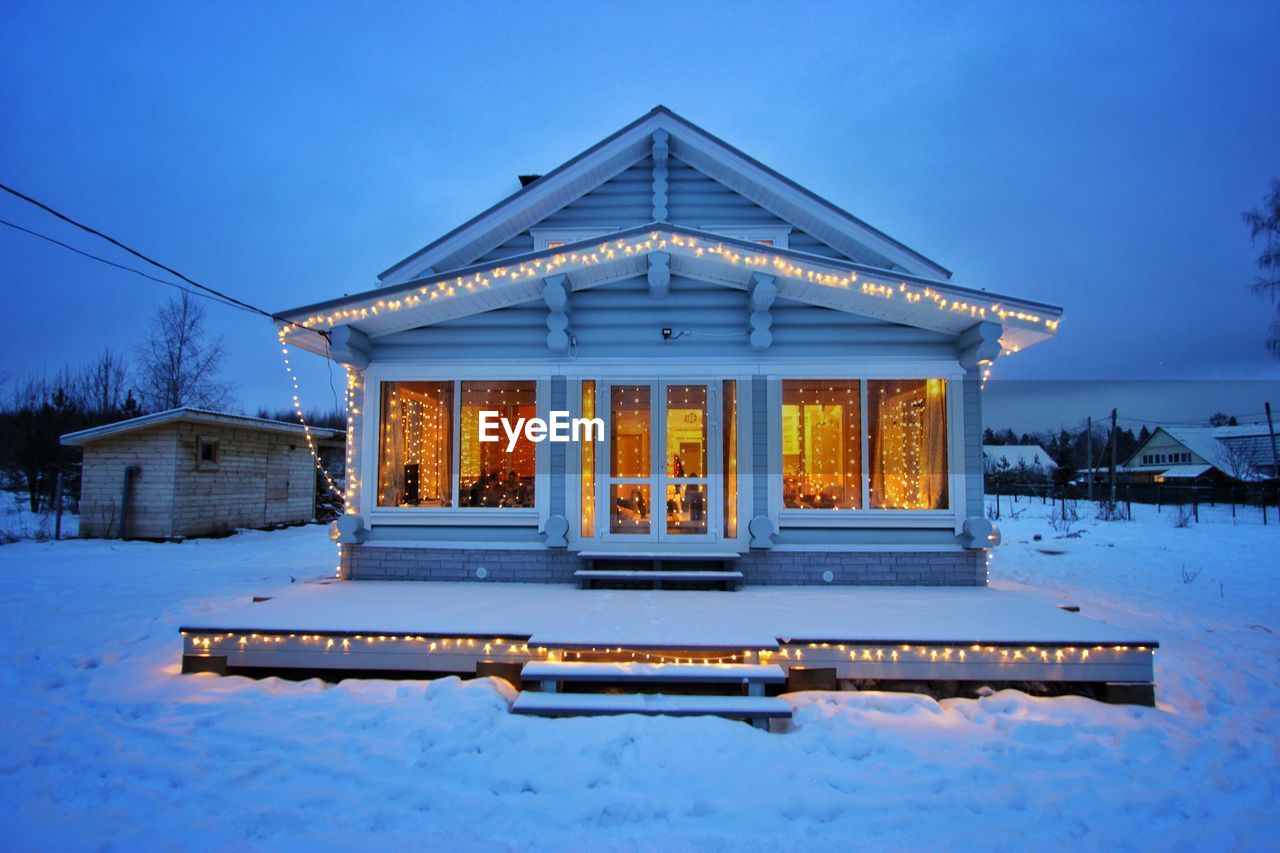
(194, 415)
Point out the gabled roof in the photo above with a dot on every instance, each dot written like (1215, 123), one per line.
(1212, 444)
(1031, 455)
(192, 415)
(609, 157)
(841, 285)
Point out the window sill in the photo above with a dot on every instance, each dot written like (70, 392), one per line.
(925, 518)
(453, 517)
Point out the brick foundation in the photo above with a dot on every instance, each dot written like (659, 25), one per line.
(865, 568)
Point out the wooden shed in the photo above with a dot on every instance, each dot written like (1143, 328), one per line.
(193, 472)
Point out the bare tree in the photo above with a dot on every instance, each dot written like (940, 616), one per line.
(179, 361)
(1237, 459)
(101, 386)
(1264, 224)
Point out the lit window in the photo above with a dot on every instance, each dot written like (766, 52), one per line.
(821, 444)
(588, 473)
(908, 443)
(555, 244)
(489, 476)
(729, 455)
(415, 449)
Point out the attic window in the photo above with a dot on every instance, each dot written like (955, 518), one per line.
(554, 238)
(765, 235)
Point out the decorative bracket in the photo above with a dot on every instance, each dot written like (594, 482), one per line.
(555, 292)
(350, 346)
(763, 292)
(661, 151)
(350, 529)
(978, 344)
(557, 532)
(761, 530)
(659, 274)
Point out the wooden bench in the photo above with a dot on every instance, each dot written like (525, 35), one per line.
(550, 674)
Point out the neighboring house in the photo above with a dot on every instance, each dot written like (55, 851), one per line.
(785, 389)
(1202, 455)
(1029, 461)
(192, 472)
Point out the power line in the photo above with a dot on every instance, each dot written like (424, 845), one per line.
(111, 263)
(113, 241)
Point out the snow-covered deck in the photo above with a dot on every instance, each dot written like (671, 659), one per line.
(864, 632)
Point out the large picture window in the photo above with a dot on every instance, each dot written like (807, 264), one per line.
(415, 459)
(418, 450)
(908, 430)
(489, 476)
(821, 444)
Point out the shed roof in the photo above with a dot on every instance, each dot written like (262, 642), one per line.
(1185, 472)
(191, 414)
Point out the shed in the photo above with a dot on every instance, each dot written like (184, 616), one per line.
(194, 472)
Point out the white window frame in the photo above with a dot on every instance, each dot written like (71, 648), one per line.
(780, 235)
(453, 515)
(543, 236)
(952, 517)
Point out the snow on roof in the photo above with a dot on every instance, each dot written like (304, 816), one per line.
(1185, 472)
(1031, 455)
(191, 413)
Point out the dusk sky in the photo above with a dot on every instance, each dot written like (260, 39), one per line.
(1096, 157)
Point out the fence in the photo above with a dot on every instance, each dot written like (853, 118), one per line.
(1260, 497)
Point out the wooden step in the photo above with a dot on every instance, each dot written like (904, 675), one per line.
(657, 574)
(653, 704)
(651, 673)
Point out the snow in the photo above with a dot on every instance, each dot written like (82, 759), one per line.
(106, 745)
(649, 703)
(17, 521)
(557, 615)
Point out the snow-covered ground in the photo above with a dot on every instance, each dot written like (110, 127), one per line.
(104, 744)
(17, 521)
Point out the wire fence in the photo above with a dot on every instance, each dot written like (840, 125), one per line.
(1263, 498)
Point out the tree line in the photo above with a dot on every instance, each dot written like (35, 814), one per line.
(177, 363)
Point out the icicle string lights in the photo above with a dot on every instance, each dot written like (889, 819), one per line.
(688, 246)
(297, 410)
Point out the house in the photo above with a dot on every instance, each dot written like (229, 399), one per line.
(1202, 455)
(192, 472)
(1027, 462)
(785, 391)
(704, 376)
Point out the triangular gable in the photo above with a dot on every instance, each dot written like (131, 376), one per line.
(842, 286)
(686, 143)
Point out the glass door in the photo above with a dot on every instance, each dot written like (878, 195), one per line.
(659, 467)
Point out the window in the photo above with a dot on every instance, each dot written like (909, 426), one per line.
(587, 475)
(489, 476)
(554, 238)
(821, 444)
(416, 447)
(908, 443)
(729, 455)
(765, 235)
(418, 451)
(206, 454)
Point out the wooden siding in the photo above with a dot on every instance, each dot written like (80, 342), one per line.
(261, 479)
(973, 466)
(557, 450)
(694, 200)
(154, 452)
(622, 319)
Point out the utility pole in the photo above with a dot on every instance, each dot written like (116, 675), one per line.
(1113, 457)
(1275, 458)
(1088, 453)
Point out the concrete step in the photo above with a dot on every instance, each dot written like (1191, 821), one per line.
(653, 704)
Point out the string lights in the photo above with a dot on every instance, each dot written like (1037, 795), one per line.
(787, 654)
(675, 242)
(297, 410)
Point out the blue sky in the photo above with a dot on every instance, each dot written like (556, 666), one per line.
(1097, 156)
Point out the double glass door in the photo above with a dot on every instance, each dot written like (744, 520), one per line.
(658, 468)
